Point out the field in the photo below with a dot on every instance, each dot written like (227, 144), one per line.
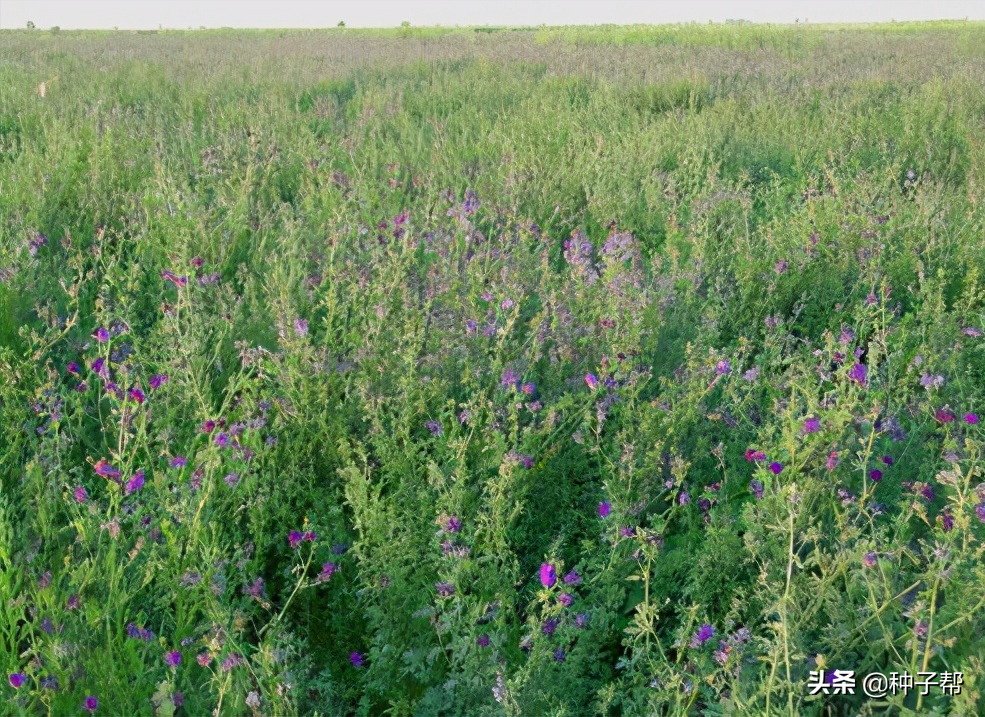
(570, 371)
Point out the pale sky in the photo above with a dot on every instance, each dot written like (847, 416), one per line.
(150, 14)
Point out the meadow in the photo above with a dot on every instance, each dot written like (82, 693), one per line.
(546, 371)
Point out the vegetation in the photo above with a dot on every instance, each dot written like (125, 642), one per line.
(492, 371)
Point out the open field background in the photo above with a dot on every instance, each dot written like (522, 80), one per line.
(546, 372)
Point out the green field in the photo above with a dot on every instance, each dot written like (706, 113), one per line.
(547, 371)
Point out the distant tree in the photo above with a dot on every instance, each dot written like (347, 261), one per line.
(405, 23)
(30, 25)
(55, 29)
(341, 23)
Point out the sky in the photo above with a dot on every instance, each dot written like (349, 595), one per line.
(151, 14)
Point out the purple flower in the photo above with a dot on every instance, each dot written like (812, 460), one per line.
(944, 415)
(453, 524)
(309, 536)
(231, 479)
(550, 626)
(971, 418)
(73, 368)
(776, 468)
(833, 460)
(135, 483)
(17, 680)
(931, 381)
(357, 660)
(560, 655)
(875, 475)
(627, 532)
(435, 428)
(751, 375)
(973, 332)
(91, 704)
(222, 440)
(888, 460)
(172, 659)
(581, 619)
(73, 602)
(858, 373)
(204, 659)
(683, 498)
(528, 389)
(81, 494)
(947, 522)
(548, 576)
(482, 641)
(605, 507)
(704, 633)
(811, 425)
(781, 266)
(566, 599)
(327, 571)
(301, 327)
(572, 578)
(723, 368)
(100, 368)
(757, 489)
(592, 380)
(294, 538)
(509, 379)
(105, 470)
(980, 512)
(257, 589)
(231, 661)
(178, 462)
(137, 396)
(158, 380)
(101, 335)
(870, 560)
(753, 455)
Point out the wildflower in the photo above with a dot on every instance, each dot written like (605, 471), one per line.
(300, 327)
(833, 460)
(72, 603)
(73, 368)
(566, 599)
(101, 335)
(550, 626)
(971, 418)
(256, 590)
(704, 633)
(232, 660)
(875, 475)
(445, 589)
(471, 326)
(294, 538)
(548, 576)
(604, 509)
(81, 494)
(888, 460)
(723, 368)
(980, 512)
(947, 521)
(559, 655)
(309, 536)
(177, 698)
(592, 380)
(509, 379)
(158, 380)
(178, 462)
(870, 560)
(231, 479)
(434, 427)
(204, 659)
(572, 578)
(357, 660)
(944, 415)
(137, 395)
(931, 381)
(506, 304)
(528, 389)
(45, 580)
(139, 633)
(973, 332)
(751, 375)
(627, 532)
(91, 704)
(252, 699)
(581, 619)
(683, 498)
(776, 468)
(17, 679)
(482, 641)
(858, 374)
(327, 571)
(135, 483)
(105, 470)
(172, 659)
(757, 489)
(207, 427)
(100, 368)
(753, 455)
(222, 440)
(781, 266)
(178, 281)
(811, 425)
(453, 524)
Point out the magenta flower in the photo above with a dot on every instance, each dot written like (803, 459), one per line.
(550, 626)
(101, 335)
(548, 576)
(17, 680)
(208, 427)
(135, 483)
(971, 419)
(309, 536)
(222, 440)
(453, 524)
(327, 571)
(482, 641)
(91, 704)
(833, 460)
(528, 389)
(811, 425)
(178, 462)
(754, 455)
(73, 368)
(723, 368)
(172, 659)
(81, 494)
(776, 468)
(683, 498)
(947, 522)
(875, 475)
(944, 415)
(357, 660)
(204, 659)
(605, 508)
(703, 635)
(294, 538)
(232, 660)
(158, 380)
(105, 470)
(137, 395)
(592, 380)
(858, 374)
(566, 599)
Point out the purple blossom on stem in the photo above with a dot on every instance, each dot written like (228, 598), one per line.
(105, 470)
(870, 560)
(703, 635)
(833, 460)
(482, 640)
(435, 428)
(776, 468)
(875, 475)
(723, 368)
(566, 599)
(101, 335)
(548, 576)
(135, 483)
(811, 425)
(509, 379)
(572, 578)
(445, 589)
(971, 419)
(327, 571)
(81, 494)
(757, 488)
(90, 704)
(858, 373)
(178, 462)
(17, 680)
(172, 659)
(300, 327)
(604, 509)
(357, 660)
(592, 380)
(294, 538)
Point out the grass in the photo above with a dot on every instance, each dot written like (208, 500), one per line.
(391, 315)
